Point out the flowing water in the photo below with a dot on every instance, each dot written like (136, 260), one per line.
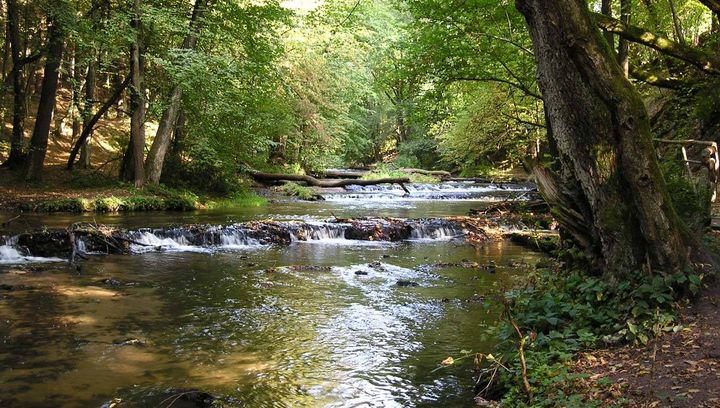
(323, 322)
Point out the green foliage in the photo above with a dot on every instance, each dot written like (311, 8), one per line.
(238, 200)
(293, 189)
(561, 312)
(152, 199)
(690, 198)
(387, 171)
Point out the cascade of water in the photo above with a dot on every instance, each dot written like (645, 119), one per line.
(319, 232)
(421, 231)
(8, 255)
(236, 238)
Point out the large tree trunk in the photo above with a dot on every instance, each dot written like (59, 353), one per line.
(48, 95)
(603, 137)
(16, 140)
(161, 143)
(137, 101)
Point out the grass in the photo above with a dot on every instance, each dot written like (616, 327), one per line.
(239, 200)
(389, 173)
(296, 190)
(154, 198)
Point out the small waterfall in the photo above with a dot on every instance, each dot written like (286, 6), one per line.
(149, 241)
(192, 240)
(434, 231)
(10, 254)
(320, 232)
(237, 238)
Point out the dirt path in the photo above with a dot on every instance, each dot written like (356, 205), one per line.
(684, 374)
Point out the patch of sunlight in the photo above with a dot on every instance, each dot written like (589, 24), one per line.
(87, 292)
(230, 368)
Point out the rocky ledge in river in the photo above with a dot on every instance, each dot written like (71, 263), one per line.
(83, 239)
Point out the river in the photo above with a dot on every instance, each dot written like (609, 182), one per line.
(327, 322)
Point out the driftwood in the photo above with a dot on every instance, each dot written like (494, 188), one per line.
(314, 182)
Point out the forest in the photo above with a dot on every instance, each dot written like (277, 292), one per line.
(359, 203)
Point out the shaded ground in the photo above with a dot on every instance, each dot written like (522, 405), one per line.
(57, 183)
(679, 370)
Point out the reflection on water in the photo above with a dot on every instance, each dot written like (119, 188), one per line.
(322, 323)
(242, 324)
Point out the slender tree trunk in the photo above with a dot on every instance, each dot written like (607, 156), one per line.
(6, 44)
(16, 156)
(137, 100)
(606, 9)
(161, 143)
(623, 44)
(677, 27)
(76, 107)
(48, 95)
(87, 110)
(622, 214)
(90, 124)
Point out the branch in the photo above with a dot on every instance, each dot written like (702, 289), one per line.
(696, 57)
(523, 121)
(521, 87)
(87, 131)
(511, 42)
(713, 5)
(655, 79)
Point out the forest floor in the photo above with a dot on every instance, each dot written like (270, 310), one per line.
(678, 370)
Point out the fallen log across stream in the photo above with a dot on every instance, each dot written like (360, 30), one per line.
(328, 183)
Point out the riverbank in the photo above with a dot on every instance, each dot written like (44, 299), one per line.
(680, 368)
(571, 339)
(89, 191)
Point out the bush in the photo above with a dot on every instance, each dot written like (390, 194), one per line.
(561, 312)
(296, 190)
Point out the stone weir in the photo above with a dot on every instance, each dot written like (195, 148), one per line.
(84, 239)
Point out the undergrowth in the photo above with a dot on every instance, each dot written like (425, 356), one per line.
(561, 311)
(386, 171)
(151, 198)
(293, 189)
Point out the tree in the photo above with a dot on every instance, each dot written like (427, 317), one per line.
(609, 193)
(16, 157)
(48, 96)
(161, 143)
(137, 99)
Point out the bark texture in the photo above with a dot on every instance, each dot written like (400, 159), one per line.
(161, 143)
(48, 96)
(137, 100)
(609, 183)
(19, 112)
